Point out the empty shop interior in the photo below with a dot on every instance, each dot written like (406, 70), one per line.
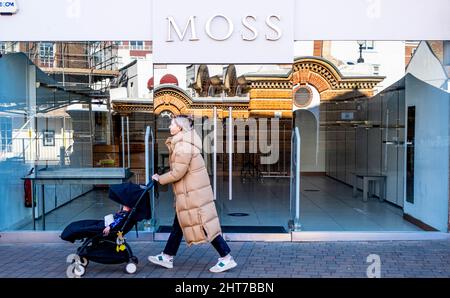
(367, 136)
(374, 142)
(386, 137)
(396, 141)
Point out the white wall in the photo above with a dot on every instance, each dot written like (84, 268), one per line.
(132, 84)
(145, 72)
(124, 57)
(312, 138)
(311, 161)
(426, 67)
(138, 74)
(242, 69)
(303, 48)
(431, 160)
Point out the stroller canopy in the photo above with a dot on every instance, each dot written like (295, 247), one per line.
(128, 194)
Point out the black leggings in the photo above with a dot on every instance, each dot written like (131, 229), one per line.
(176, 235)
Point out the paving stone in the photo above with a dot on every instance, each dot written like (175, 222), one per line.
(255, 259)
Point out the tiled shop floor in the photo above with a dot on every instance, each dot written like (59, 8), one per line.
(325, 205)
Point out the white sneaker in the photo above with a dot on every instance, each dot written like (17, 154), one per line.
(223, 264)
(162, 260)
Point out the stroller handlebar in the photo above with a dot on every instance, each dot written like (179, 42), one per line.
(148, 186)
(133, 210)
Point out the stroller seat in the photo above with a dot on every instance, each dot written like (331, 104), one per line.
(109, 249)
(89, 228)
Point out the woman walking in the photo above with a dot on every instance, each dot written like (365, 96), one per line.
(196, 216)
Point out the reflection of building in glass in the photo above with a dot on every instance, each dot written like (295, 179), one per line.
(85, 67)
(54, 102)
(353, 118)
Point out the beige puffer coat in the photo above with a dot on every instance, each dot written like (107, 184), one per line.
(194, 202)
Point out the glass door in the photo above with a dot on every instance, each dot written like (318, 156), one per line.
(247, 154)
(252, 173)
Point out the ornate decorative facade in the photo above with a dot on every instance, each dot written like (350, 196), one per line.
(264, 94)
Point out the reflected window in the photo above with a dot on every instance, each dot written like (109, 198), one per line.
(47, 54)
(99, 57)
(164, 120)
(2, 47)
(101, 127)
(136, 45)
(368, 45)
(410, 154)
(5, 134)
(376, 69)
(447, 52)
(48, 137)
(303, 96)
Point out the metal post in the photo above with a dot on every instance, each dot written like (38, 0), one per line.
(43, 206)
(128, 142)
(230, 153)
(152, 164)
(386, 139)
(33, 187)
(123, 143)
(64, 132)
(62, 156)
(147, 169)
(23, 150)
(91, 132)
(149, 165)
(35, 140)
(215, 153)
(297, 225)
(291, 179)
(110, 138)
(63, 65)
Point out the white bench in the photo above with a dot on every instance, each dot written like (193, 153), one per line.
(367, 179)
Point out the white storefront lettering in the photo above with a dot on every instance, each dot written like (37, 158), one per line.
(172, 24)
(274, 31)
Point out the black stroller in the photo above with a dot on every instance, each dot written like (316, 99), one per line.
(111, 249)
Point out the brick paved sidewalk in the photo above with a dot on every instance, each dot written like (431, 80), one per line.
(255, 259)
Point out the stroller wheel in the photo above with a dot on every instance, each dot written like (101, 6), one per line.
(72, 258)
(75, 271)
(84, 262)
(79, 270)
(69, 271)
(131, 268)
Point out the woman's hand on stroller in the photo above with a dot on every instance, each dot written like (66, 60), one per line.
(106, 231)
(155, 177)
